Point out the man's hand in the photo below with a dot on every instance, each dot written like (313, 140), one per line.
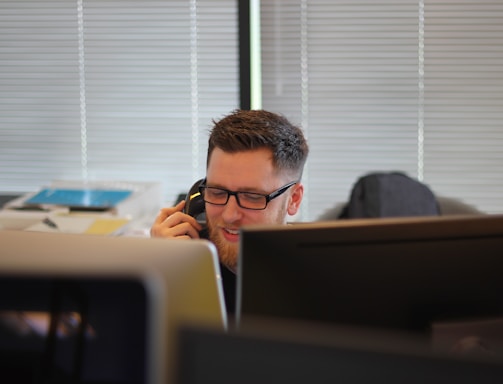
(171, 222)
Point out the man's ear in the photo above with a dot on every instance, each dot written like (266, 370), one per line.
(295, 199)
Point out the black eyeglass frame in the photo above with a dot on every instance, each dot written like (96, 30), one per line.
(278, 192)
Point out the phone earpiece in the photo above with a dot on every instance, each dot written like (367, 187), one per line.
(194, 203)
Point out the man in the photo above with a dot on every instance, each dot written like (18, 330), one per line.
(253, 176)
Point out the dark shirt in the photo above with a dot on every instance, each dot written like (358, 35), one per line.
(229, 285)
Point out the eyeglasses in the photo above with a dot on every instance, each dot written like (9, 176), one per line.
(247, 200)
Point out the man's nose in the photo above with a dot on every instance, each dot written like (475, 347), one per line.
(232, 210)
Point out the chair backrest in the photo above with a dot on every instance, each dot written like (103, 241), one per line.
(389, 194)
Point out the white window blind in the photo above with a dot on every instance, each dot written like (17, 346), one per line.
(113, 89)
(463, 100)
(414, 86)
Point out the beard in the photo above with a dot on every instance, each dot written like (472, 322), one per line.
(228, 252)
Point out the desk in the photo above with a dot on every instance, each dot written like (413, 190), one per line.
(131, 216)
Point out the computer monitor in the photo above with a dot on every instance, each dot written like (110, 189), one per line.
(438, 277)
(97, 309)
(270, 352)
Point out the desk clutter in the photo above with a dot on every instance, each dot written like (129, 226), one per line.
(106, 208)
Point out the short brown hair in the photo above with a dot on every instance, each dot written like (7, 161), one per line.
(245, 130)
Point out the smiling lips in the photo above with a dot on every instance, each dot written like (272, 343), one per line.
(231, 235)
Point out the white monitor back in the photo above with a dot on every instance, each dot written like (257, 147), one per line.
(180, 281)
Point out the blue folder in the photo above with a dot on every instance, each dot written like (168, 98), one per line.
(79, 198)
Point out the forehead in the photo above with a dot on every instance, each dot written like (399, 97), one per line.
(247, 169)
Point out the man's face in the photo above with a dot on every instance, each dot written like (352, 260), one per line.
(250, 171)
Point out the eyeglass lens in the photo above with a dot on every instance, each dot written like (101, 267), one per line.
(248, 200)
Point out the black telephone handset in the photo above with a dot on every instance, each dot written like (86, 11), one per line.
(194, 205)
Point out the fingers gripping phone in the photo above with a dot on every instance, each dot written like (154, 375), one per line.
(194, 205)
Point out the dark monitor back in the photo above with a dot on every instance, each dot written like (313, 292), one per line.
(97, 332)
(439, 276)
(292, 353)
